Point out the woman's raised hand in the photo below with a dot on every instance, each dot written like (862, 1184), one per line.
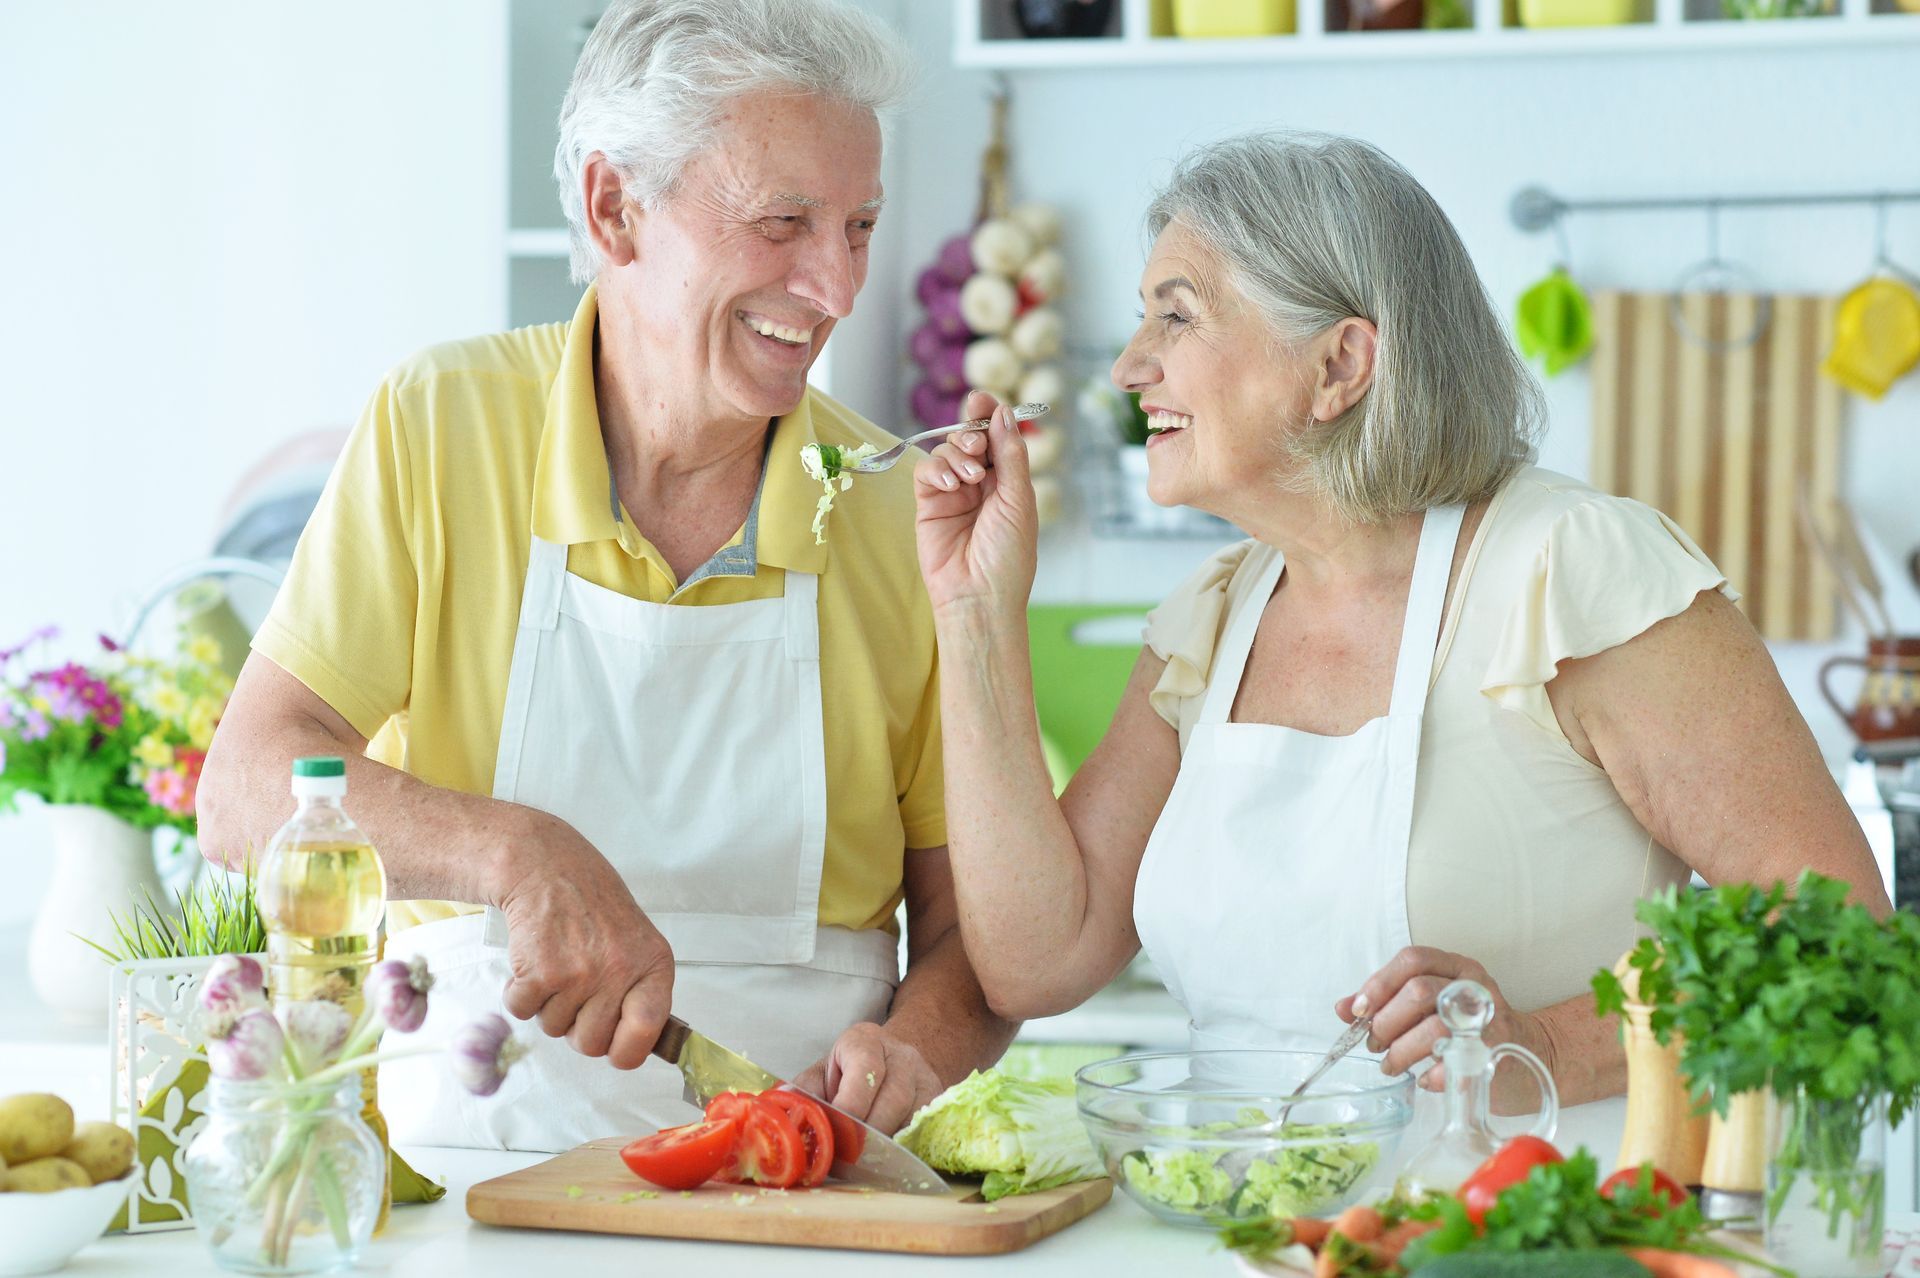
(974, 513)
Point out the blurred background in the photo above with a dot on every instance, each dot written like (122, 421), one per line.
(224, 221)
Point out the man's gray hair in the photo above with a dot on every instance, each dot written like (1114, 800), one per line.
(1315, 228)
(656, 75)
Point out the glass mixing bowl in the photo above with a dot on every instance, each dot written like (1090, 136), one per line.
(1196, 1136)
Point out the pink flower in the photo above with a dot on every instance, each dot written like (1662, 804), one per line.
(170, 790)
(36, 728)
(106, 642)
(44, 632)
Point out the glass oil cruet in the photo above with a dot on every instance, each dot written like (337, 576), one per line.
(1468, 1138)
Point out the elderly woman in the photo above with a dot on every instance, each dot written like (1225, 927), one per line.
(1443, 715)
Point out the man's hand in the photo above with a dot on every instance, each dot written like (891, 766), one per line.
(876, 1077)
(585, 960)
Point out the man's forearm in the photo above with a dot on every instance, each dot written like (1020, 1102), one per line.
(435, 843)
(940, 1010)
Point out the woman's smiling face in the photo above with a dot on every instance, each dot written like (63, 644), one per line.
(1221, 387)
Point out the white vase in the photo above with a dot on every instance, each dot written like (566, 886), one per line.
(101, 865)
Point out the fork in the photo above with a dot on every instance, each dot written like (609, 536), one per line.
(887, 460)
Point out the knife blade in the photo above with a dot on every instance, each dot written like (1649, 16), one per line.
(710, 1069)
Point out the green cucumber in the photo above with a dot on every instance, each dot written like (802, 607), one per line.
(1534, 1264)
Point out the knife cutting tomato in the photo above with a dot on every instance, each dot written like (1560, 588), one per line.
(816, 1134)
(778, 1138)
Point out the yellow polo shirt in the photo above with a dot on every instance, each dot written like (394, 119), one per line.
(401, 604)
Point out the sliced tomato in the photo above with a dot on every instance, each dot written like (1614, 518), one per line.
(729, 1105)
(816, 1134)
(1659, 1182)
(768, 1151)
(1508, 1166)
(682, 1157)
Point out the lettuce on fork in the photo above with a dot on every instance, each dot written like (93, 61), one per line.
(1022, 1135)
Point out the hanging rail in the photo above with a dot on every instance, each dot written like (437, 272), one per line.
(1534, 208)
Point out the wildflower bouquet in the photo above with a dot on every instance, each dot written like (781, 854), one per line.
(125, 733)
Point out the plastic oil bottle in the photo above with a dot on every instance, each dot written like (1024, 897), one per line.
(322, 893)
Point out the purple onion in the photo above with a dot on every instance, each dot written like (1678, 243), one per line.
(943, 312)
(930, 283)
(249, 1049)
(934, 407)
(398, 993)
(234, 985)
(926, 344)
(955, 262)
(946, 372)
(483, 1052)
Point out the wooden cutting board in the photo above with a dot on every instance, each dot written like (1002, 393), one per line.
(591, 1190)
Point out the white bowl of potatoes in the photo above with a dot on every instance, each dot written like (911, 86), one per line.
(60, 1182)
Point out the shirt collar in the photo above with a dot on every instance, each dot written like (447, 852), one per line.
(574, 499)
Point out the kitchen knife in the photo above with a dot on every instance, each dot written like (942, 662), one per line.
(710, 1069)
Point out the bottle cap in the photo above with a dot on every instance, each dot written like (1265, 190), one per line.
(320, 776)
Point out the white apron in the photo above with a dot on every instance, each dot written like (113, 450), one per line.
(1275, 881)
(684, 743)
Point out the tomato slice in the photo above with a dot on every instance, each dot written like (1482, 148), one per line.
(816, 1134)
(1508, 1166)
(1662, 1185)
(849, 1137)
(768, 1151)
(682, 1157)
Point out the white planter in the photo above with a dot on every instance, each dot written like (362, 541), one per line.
(155, 1037)
(101, 866)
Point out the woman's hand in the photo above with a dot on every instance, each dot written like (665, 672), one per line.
(1408, 1029)
(974, 513)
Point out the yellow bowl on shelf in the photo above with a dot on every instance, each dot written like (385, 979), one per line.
(1227, 18)
(1575, 13)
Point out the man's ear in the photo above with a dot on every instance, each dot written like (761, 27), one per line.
(1345, 366)
(610, 215)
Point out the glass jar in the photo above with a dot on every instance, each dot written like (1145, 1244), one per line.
(285, 1178)
(1827, 1184)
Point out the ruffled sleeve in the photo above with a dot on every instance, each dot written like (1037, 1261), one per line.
(1609, 568)
(1183, 632)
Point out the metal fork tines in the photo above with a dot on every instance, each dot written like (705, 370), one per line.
(885, 460)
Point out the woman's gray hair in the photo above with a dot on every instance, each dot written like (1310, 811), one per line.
(1315, 228)
(656, 75)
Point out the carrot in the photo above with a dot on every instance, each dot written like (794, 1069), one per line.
(1327, 1265)
(1360, 1223)
(1395, 1240)
(1311, 1231)
(1680, 1264)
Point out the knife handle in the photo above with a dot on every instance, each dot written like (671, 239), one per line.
(673, 1037)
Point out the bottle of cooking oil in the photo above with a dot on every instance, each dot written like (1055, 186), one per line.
(322, 893)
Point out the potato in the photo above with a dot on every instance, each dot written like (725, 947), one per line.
(45, 1175)
(103, 1151)
(34, 1125)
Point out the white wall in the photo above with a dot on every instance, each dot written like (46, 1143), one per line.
(221, 223)
(1094, 142)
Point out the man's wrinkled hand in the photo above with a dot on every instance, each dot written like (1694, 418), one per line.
(584, 959)
(873, 1075)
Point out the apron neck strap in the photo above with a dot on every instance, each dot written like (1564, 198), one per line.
(1426, 601)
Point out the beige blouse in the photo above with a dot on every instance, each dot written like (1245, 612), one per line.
(1523, 855)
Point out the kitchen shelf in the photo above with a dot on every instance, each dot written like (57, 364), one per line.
(981, 38)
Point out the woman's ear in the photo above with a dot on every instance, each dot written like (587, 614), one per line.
(1346, 354)
(610, 215)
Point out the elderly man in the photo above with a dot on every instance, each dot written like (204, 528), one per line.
(625, 715)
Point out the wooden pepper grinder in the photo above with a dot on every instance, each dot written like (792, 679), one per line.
(1661, 1126)
(1734, 1181)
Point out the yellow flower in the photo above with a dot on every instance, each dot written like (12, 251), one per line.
(154, 751)
(201, 721)
(168, 700)
(204, 649)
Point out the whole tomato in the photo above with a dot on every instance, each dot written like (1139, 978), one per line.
(1662, 1184)
(1508, 1166)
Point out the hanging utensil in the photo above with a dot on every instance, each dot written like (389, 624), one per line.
(1846, 537)
(1843, 584)
(1716, 275)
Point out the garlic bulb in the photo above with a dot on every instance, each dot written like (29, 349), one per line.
(988, 304)
(1001, 246)
(1045, 274)
(991, 365)
(1040, 221)
(1036, 335)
